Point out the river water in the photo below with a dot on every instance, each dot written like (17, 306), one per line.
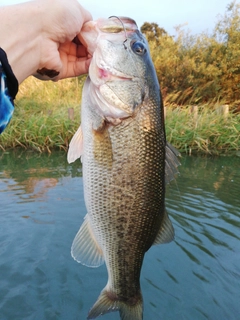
(197, 276)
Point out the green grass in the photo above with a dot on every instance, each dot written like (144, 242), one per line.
(41, 122)
(207, 133)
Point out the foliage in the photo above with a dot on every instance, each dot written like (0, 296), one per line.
(202, 68)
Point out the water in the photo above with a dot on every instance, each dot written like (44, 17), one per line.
(195, 277)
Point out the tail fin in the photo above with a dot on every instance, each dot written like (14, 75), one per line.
(108, 302)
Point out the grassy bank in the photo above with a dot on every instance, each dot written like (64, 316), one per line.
(41, 122)
(205, 133)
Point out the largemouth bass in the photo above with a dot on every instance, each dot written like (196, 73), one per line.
(126, 163)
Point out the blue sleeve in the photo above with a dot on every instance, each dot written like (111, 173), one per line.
(8, 91)
(6, 102)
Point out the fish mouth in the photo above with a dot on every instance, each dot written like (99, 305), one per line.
(109, 74)
(100, 72)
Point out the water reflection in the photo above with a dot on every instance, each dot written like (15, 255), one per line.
(195, 277)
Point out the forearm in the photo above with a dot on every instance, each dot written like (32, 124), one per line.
(20, 32)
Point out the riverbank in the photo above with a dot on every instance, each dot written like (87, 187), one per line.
(47, 115)
(207, 132)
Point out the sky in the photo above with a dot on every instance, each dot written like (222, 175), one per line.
(198, 16)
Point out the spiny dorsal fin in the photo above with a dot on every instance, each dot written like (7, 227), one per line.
(171, 163)
(85, 248)
(166, 232)
(76, 146)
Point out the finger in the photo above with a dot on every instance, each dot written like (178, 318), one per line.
(81, 51)
(74, 48)
(74, 68)
(86, 14)
(81, 67)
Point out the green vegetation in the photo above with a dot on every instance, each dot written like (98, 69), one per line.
(205, 133)
(40, 120)
(192, 70)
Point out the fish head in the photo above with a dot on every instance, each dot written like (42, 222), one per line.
(121, 67)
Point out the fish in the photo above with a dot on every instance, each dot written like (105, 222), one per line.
(126, 163)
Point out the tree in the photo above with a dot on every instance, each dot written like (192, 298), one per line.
(153, 32)
(227, 31)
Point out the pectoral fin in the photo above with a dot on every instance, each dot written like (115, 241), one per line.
(166, 232)
(85, 248)
(76, 146)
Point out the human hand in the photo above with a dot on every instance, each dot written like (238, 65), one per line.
(61, 53)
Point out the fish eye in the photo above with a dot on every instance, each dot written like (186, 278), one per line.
(138, 48)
